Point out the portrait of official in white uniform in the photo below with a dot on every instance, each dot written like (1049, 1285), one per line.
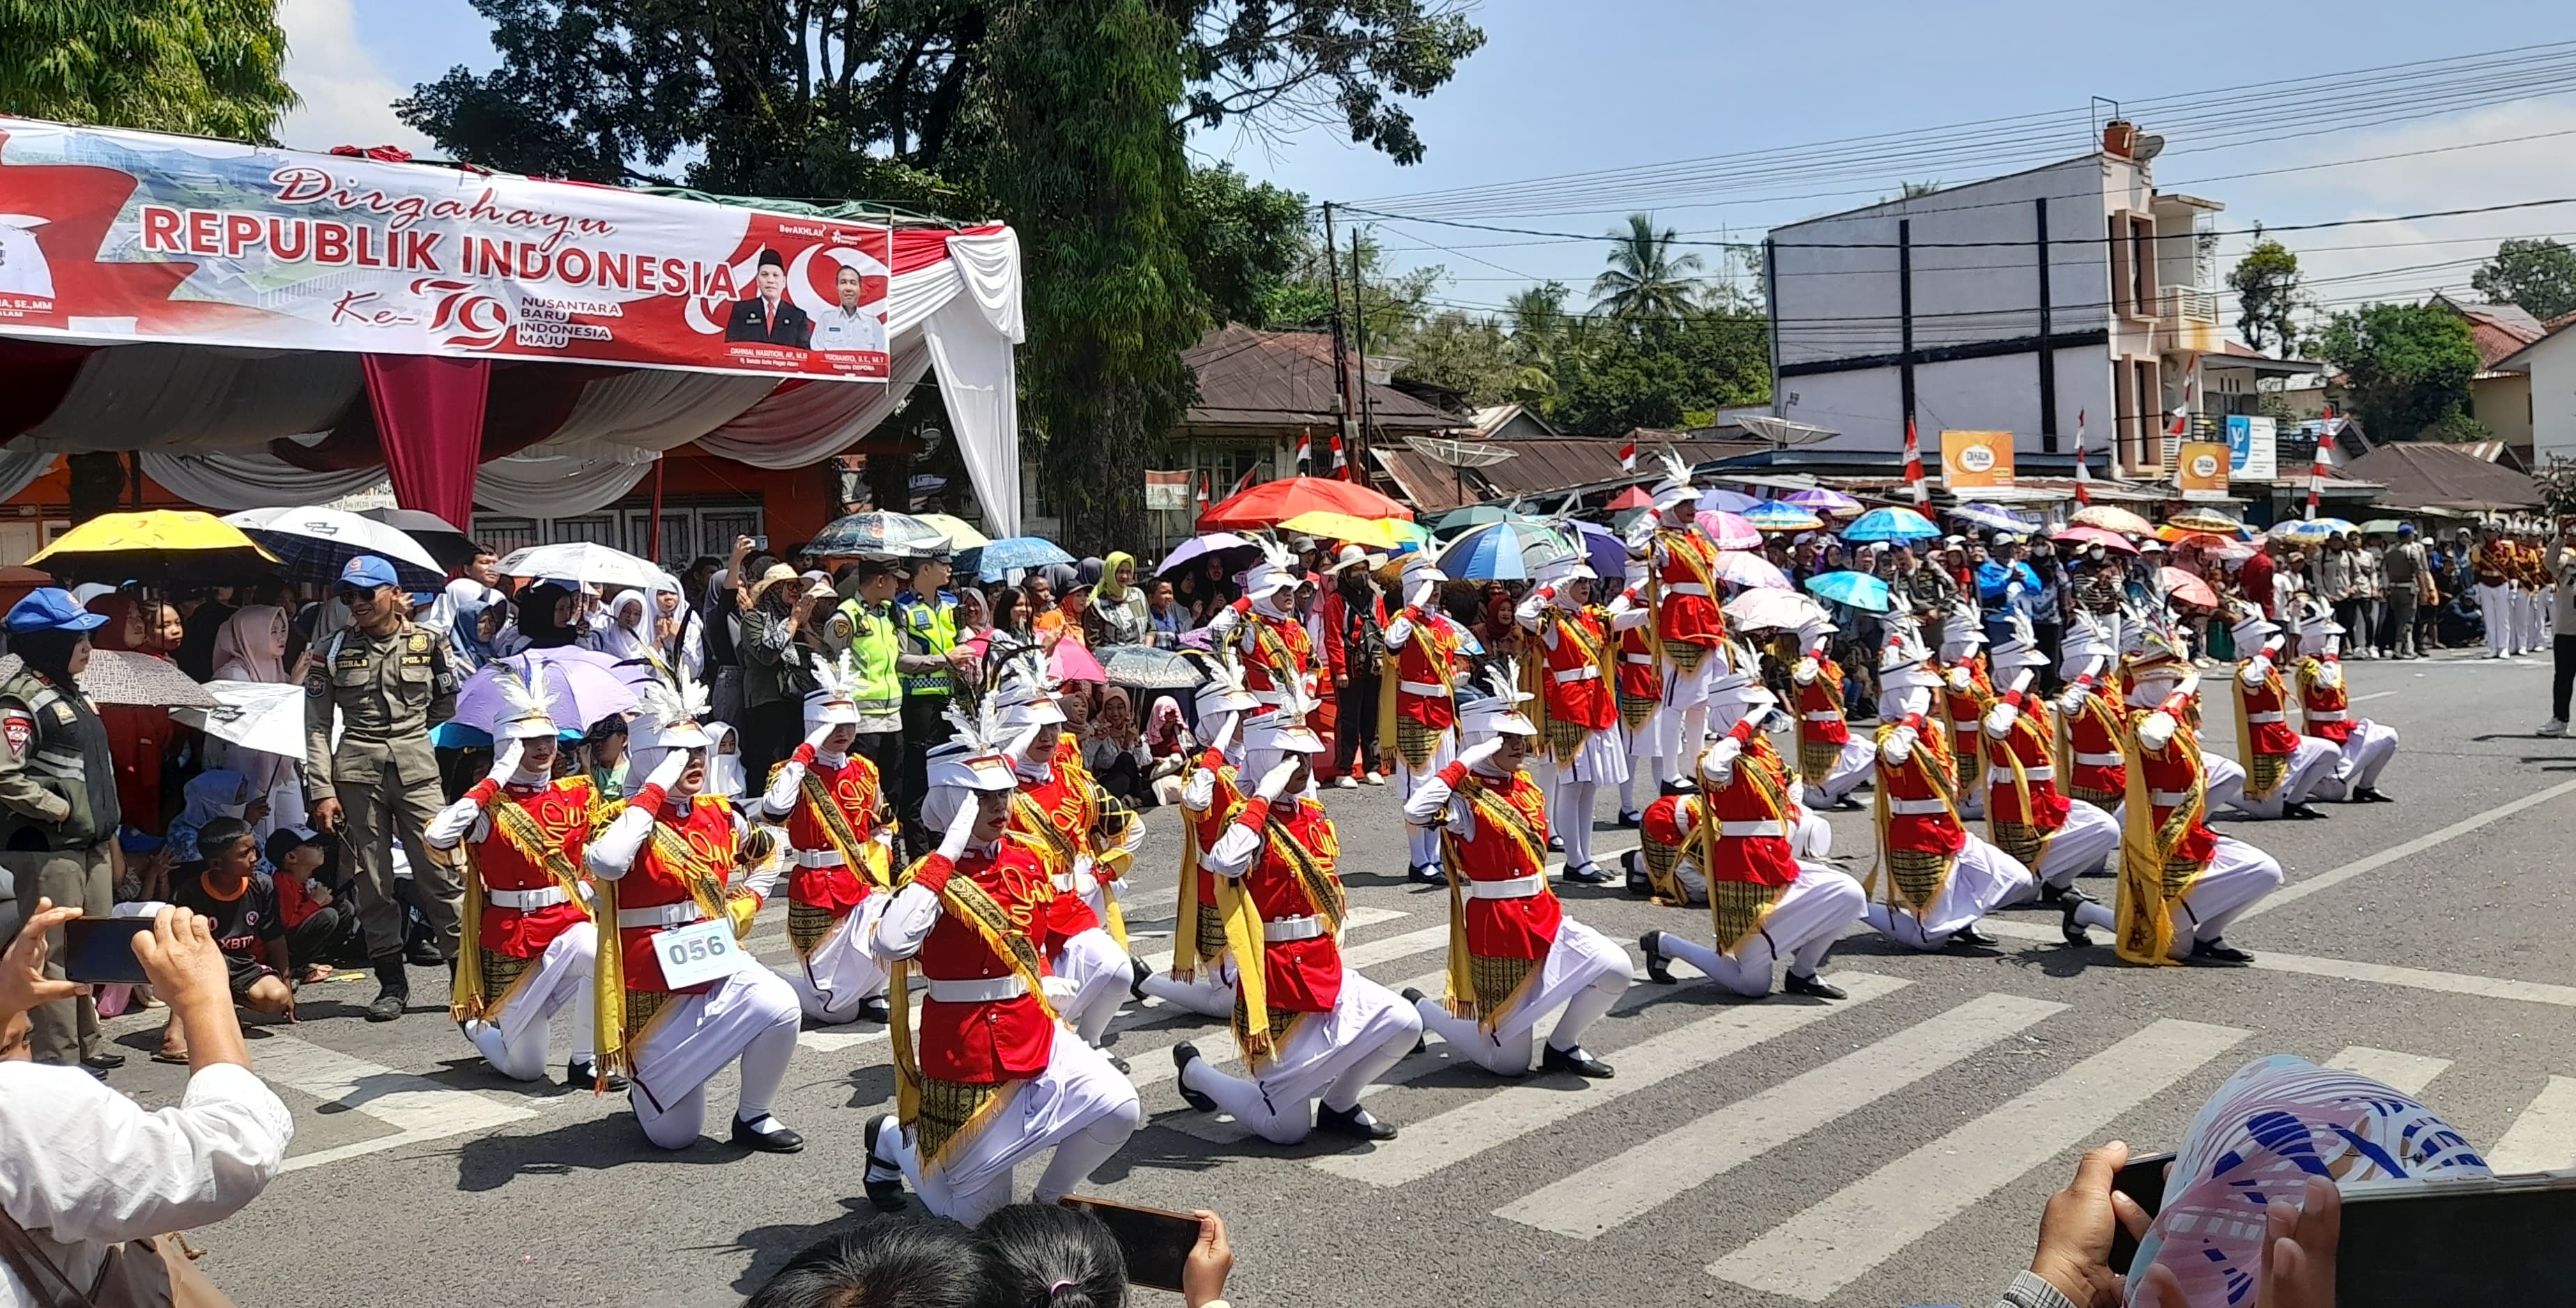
(847, 326)
(23, 270)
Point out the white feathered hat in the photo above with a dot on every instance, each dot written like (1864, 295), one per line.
(1961, 630)
(1223, 691)
(1419, 567)
(2021, 648)
(1496, 711)
(977, 757)
(2250, 628)
(1737, 692)
(1903, 664)
(1561, 567)
(527, 711)
(669, 718)
(1675, 492)
(1025, 700)
(1281, 728)
(837, 699)
(1273, 572)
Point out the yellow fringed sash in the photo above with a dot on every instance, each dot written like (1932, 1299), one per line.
(2021, 785)
(706, 883)
(1186, 956)
(468, 1000)
(2264, 773)
(993, 925)
(863, 857)
(1462, 1000)
(2148, 890)
(1929, 738)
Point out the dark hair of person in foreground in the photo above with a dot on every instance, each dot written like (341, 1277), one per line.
(912, 1261)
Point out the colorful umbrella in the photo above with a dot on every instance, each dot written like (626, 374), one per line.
(169, 546)
(1200, 546)
(2381, 527)
(961, 534)
(1780, 515)
(1474, 515)
(1744, 568)
(316, 543)
(878, 535)
(140, 680)
(1993, 517)
(2302, 529)
(1493, 552)
(1071, 660)
(2184, 588)
(992, 562)
(1325, 524)
(2107, 539)
(2112, 518)
(1767, 609)
(1857, 589)
(584, 685)
(1726, 501)
(1893, 523)
(1728, 531)
(1635, 497)
(583, 561)
(2200, 520)
(1823, 500)
(1274, 502)
(1604, 553)
(1408, 535)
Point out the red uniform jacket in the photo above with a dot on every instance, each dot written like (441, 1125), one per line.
(1762, 860)
(1506, 928)
(1065, 796)
(1930, 833)
(2096, 731)
(1575, 691)
(2032, 740)
(1638, 676)
(707, 826)
(853, 785)
(2327, 708)
(1206, 827)
(986, 1043)
(562, 812)
(1685, 611)
(1966, 709)
(2173, 773)
(1301, 976)
(1428, 658)
(1820, 707)
(2269, 700)
(1277, 651)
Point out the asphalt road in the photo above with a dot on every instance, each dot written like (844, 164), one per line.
(1895, 1148)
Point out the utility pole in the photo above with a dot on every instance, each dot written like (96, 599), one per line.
(1355, 445)
(1341, 356)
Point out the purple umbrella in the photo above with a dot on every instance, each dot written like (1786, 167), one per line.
(1603, 552)
(1824, 500)
(585, 686)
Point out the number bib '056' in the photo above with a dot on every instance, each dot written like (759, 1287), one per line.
(698, 953)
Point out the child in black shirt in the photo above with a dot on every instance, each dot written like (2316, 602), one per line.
(240, 905)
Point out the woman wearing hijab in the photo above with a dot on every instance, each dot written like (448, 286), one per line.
(627, 632)
(143, 739)
(725, 778)
(1117, 614)
(548, 618)
(251, 646)
(469, 637)
(214, 793)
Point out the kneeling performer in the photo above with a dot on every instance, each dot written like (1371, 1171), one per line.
(2026, 816)
(1939, 879)
(831, 800)
(2325, 704)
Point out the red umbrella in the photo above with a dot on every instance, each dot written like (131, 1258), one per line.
(2109, 540)
(1274, 502)
(1635, 497)
(2186, 588)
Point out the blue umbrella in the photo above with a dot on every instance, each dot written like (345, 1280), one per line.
(1994, 517)
(1857, 589)
(1726, 501)
(1010, 552)
(1492, 552)
(1781, 515)
(883, 535)
(1891, 523)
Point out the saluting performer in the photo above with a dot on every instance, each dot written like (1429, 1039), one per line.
(2180, 882)
(2092, 714)
(995, 1079)
(832, 800)
(2058, 838)
(1201, 977)
(664, 868)
(1423, 644)
(1581, 749)
(1514, 956)
(1641, 693)
(2280, 766)
(1967, 691)
(1078, 835)
(1263, 626)
(528, 940)
(1830, 763)
(1309, 1027)
(1690, 629)
(1764, 903)
(1939, 879)
(2325, 706)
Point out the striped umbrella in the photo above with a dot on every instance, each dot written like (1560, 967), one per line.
(1728, 531)
(1780, 515)
(1823, 500)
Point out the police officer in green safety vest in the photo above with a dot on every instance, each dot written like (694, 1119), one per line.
(868, 618)
(925, 616)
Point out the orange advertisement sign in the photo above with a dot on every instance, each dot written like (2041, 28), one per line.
(2200, 470)
(1976, 460)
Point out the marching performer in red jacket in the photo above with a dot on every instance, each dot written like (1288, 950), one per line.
(1735, 838)
(1580, 750)
(1640, 694)
(2027, 816)
(1933, 879)
(2091, 707)
(996, 1078)
(838, 855)
(2325, 707)
(1309, 1027)
(1426, 647)
(1201, 977)
(1057, 815)
(1967, 691)
(1690, 630)
(2277, 767)
(528, 938)
(1275, 647)
(1831, 764)
(1514, 956)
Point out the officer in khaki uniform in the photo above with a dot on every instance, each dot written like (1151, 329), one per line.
(390, 682)
(58, 808)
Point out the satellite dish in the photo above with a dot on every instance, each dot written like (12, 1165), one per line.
(2148, 147)
(1783, 431)
(1458, 453)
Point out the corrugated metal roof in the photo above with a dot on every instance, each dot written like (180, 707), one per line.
(1538, 468)
(2424, 474)
(1251, 378)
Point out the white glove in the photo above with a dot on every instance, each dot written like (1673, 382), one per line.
(505, 758)
(2072, 702)
(1481, 752)
(2257, 670)
(1423, 595)
(1807, 671)
(1274, 783)
(2157, 730)
(1719, 762)
(1899, 745)
(960, 832)
(2330, 674)
(1224, 623)
(818, 735)
(666, 773)
(2000, 719)
(1059, 990)
(1960, 680)
(1199, 794)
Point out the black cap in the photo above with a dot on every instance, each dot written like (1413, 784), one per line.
(770, 259)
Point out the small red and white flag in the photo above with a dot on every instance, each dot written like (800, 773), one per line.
(1628, 457)
(1914, 484)
(1245, 482)
(2317, 470)
(1305, 452)
(1341, 463)
(1203, 490)
(2083, 478)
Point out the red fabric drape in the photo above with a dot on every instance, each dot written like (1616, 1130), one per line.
(429, 409)
(33, 378)
(527, 402)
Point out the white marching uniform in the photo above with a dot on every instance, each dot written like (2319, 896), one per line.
(2238, 875)
(2083, 845)
(2358, 761)
(1982, 879)
(834, 981)
(1422, 847)
(2310, 764)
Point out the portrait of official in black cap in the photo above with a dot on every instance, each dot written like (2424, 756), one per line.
(767, 317)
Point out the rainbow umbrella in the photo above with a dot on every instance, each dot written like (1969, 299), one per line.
(1780, 515)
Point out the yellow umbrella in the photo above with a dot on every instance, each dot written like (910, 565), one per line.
(961, 534)
(170, 546)
(2209, 520)
(1327, 525)
(1412, 532)
(2111, 517)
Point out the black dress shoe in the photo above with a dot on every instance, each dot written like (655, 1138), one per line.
(776, 1140)
(882, 1180)
(1334, 1121)
(1679, 786)
(2219, 953)
(1971, 934)
(2300, 811)
(1590, 874)
(423, 955)
(2068, 929)
(582, 1074)
(1813, 986)
(1576, 1061)
(1117, 1062)
(2373, 795)
(1631, 821)
(1659, 969)
(876, 1009)
(1136, 986)
(105, 1060)
(1429, 874)
(1184, 1054)
(1632, 868)
(1556, 844)
(1846, 804)
(2060, 896)
(389, 1004)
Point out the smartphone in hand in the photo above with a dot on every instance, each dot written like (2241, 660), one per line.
(1157, 1241)
(2143, 1180)
(100, 951)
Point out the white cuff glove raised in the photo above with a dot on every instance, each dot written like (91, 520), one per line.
(960, 832)
(1274, 783)
(1482, 752)
(1224, 623)
(1807, 671)
(667, 772)
(2072, 702)
(1719, 762)
(505, 757)
(818, 735)
(2000, 719)
(1899, 745)
(1198, 795)
(1960, 680)
(2157, 729)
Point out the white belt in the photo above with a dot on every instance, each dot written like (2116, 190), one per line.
(1588, 672)
(2168, 798)
(2327, 715)
(1431, 688)
(988, 990)
(1686, 588)
(818, 858)
(1293, 928)
(1641, 660)
(527, 901)
(1917, 807)
(2003, 776)
(661, 915)
(1748, 830)
(2264, 717)
(1515, 888)
(2100, 760)
(1822, 715)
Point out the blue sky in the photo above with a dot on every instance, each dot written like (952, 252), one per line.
(1563, 87)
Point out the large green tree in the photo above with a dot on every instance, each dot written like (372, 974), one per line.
(2408, 364)
(2268, 294)
(202, 67)
(1647, 280)
(2540, 276)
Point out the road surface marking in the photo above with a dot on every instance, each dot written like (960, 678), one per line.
(1152, 1065)
(2306, 886)
(1819, 1251)
(416, 1106)
(2376, 694)
(1512, 1111)
(2543, 1138)
(2409, 1073)
(2413, 978)
(1590, 1202)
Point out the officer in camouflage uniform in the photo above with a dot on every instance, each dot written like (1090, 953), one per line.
(389, 681)
(58, 806)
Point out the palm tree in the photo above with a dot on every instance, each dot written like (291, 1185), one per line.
(1646, 280)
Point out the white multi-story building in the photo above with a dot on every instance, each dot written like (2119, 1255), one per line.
(2022, 303)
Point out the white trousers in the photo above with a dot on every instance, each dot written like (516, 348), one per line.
(2358, 761)
(1210, 993)
(1584, 974)
(1983, 879)
(1571, 790)
(1653, 758)
(1329, 1056)
(1101, 974)
(1422, 844)
(2238, 876)
(2311, 763)
(842, 973)
(1079, 1106)
(2528, 607)
(1802, 928)
(750, 1015)
(2495, 606)
(1812, 841)
(517, 1044)
(2088, 839)
(1853, 766)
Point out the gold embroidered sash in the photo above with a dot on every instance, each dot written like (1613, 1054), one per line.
(2152, 879)
(992, 924)
(846, 841)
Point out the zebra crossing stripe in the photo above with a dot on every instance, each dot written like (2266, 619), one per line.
(1590, 1202)
(1508, 1114)
(2346, 969)
(415, 1106)
(2543, 1138)
(2408, 1073)
(1839, 1240)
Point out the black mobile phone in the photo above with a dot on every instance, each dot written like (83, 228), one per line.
(2142, 1179)
(100, 951)
(2483, 1240)
(1157, 1241)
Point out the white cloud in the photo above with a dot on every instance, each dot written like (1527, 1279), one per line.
(348, 98)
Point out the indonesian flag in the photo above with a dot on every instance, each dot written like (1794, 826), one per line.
(1341, 465)
(2083, 479)
(2181, 421)
(1203, 490)
(1914, 468)
(2317, 470)
(1628, 457)
(1305, 452)
(1245, 482)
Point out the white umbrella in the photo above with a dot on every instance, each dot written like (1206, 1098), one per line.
(583, 561)
(267, 716)
(316, 543)
(1765, 609)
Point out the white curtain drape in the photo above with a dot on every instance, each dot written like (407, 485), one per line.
(251, 481)
(196, 398)
(801, 427)
(19, 469)
(545, 486)
(977, 379)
